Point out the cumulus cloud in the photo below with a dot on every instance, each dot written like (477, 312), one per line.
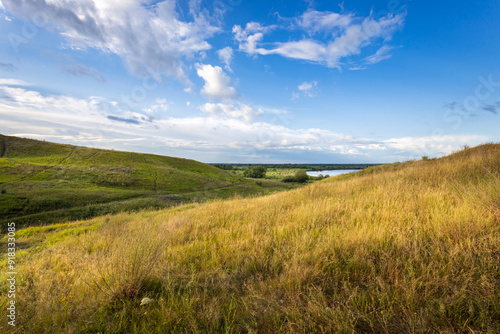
(346, 36)
(244, 112)
(150, 38)
(226, 56)
(217, 83)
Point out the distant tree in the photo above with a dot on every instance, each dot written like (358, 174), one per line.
(300, 176)
(224, 166)
(256, 172)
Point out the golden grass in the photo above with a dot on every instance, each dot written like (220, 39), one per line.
(403, 248)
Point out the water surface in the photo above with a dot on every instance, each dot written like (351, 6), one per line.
(334, 172)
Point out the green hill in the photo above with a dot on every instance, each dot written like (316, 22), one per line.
(44, 182)
(411, 247)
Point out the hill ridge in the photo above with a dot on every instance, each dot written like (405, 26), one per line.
(38, 176)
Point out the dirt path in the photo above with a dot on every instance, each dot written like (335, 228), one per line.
(90, 156)
(69, 155)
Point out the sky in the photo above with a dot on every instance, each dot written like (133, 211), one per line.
(243, 81)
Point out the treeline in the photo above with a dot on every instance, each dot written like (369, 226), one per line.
(310, 167)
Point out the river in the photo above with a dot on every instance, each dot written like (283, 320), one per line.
(332, 172)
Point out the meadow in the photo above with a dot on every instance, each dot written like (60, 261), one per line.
(411, 247)
(43, 183)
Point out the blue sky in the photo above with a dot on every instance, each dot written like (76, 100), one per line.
(253, 81)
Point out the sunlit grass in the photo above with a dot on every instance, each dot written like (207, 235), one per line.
(403, 248)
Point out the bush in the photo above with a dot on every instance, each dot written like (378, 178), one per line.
(288, 178)
(300, 176)
(256, 172)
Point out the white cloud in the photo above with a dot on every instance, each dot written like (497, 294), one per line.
(307, 88)
(381, 54)
(346, 36)
(250, 36)
(357, 68)
(314, 21)
(244, 112)
(433, 145)
(305, 49)
(149, 38)
(217, 83)
(226, 56)
(160, 106)
(12, 82)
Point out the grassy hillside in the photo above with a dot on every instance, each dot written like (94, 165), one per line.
(47, 182)
(402, 248)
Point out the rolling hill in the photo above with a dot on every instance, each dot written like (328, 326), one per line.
(410, 247)
(43, 182)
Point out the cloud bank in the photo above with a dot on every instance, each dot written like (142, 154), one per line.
(227, 131)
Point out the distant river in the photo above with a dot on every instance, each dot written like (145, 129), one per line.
(332, 172)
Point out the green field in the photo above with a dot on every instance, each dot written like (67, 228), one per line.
(409, 247)
(42, 182)
(280, 171)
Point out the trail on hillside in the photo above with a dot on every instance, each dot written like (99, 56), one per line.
(67, 157)
(90, 156)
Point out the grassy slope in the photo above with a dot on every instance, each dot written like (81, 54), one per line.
(403, 248)
(50, 182)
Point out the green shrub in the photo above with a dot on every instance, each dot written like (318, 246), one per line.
(300, 176)
(256, 172)
(288, 178)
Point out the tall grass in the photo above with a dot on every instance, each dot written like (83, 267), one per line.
(404, 248)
